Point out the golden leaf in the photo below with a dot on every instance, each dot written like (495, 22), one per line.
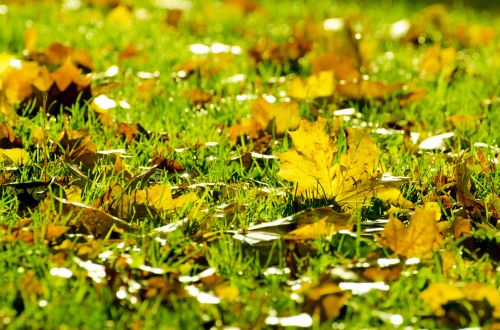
(17, 81)
(419, 239)
(362, 193)
(14, 156)
(160, 198)
(120, 16)
(285, 115)
(311, 164)
(326, 300)
(321, 228)
(282, 117)
(43, 81)
(344, 67)
(438, 294)
(367, 89)
(68, 73)
(319, 171)
(437, 61)
(30, 39)
(316, 85)
(247, 127)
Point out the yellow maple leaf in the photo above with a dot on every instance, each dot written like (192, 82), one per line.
(438, 294)
(316, 85)
(419, 239)
(311, 163)
(317, 167)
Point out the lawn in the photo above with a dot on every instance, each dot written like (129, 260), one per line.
(247, 164)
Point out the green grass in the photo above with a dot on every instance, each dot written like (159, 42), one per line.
(231, 194)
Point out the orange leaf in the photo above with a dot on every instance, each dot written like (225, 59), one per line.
(68, 73)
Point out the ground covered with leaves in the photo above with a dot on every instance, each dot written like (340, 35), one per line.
(243, 164)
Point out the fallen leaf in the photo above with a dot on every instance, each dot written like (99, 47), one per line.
(129, 51)
(285, 54)
(377, 187)
(247, 6)
(160, 198)
(438, 294)
(419, 239)
(173, 17)
(247, 127)
(44, 81)
(475, 35)
(437, 61)
(319, 229)
(326, 300)
(461, 227)
(310, 224)
(473, 206)
(267, 117)
(165, 163)
(206, 67)
(26, 232)
(367, 89)
(30, 38)
(8, 139)
(138, 202)
(343, 67)
(67, 74)
(120, 16)
(385, 274)
(56, 54)
(197, 96)
(316, 85)
(14, 156)
(149, 89)
(317, 167)
(277, 118)
(96, 222)
(132, 132)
